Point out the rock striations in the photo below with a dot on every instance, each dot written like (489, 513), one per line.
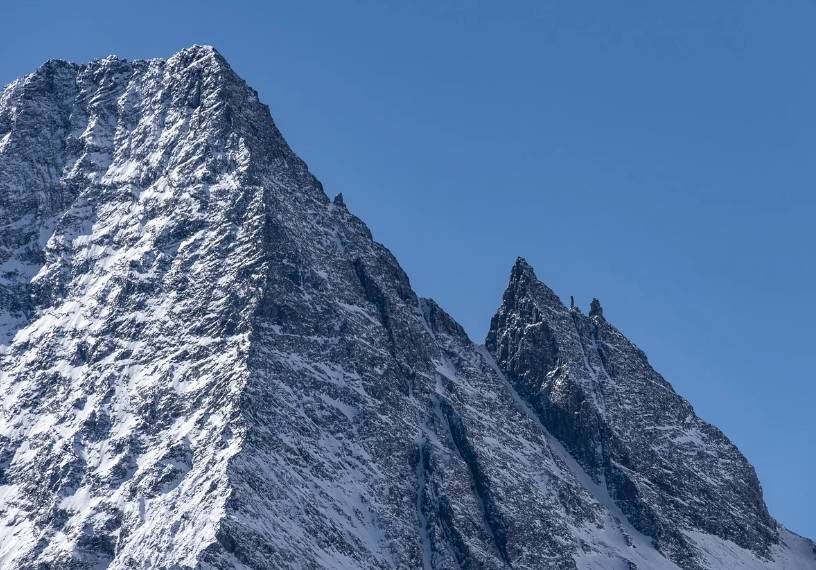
(206, 363)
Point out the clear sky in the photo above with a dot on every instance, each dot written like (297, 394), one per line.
(658, 155)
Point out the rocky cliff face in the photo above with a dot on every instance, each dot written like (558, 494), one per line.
(669, 472)
(206, 363)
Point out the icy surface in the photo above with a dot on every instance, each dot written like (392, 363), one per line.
(206, 363)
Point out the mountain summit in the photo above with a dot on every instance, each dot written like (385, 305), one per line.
(206, 363)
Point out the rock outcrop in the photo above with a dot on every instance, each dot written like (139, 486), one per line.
(206, 363)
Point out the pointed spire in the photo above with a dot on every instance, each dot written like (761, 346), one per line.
(338, 200)
(521, 262)
(524, 284)
(521, 269)
(595, 309)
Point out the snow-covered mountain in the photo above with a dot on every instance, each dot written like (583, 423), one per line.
(206, 363)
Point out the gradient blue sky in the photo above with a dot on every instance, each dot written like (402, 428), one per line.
(658, 155)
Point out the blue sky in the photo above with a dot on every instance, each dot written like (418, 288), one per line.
(658, 155)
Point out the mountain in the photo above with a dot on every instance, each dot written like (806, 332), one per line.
(207, 363)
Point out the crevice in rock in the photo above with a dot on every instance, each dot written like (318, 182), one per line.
(422, 467)
(432, 508)
(375, 296)
(491, 514)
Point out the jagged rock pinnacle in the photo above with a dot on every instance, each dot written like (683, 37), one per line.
(595, 309)
(522, 267)
(581, 380)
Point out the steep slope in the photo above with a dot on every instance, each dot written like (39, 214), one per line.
(672, 474)
(206, 363)
(133, 298)
(211, 365)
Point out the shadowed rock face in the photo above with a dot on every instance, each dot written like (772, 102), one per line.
(206, 363)
(667, 470)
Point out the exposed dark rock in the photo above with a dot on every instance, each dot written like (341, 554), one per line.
(595, 309)
(668, 471)
(206, 363)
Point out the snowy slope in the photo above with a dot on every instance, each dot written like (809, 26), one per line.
(206, 363)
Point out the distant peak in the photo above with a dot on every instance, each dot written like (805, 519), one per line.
(595, 309)
(201, 50)
(198, 53)
(524, 281)
(522, 269)
(521, 262)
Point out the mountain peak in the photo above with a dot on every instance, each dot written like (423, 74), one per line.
(524, 283)
(581, 380)
(205, 365)
(202, 50)
(522, 277)
(521, 268)
(199, 54)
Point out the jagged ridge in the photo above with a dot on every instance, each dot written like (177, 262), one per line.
(209, 364)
